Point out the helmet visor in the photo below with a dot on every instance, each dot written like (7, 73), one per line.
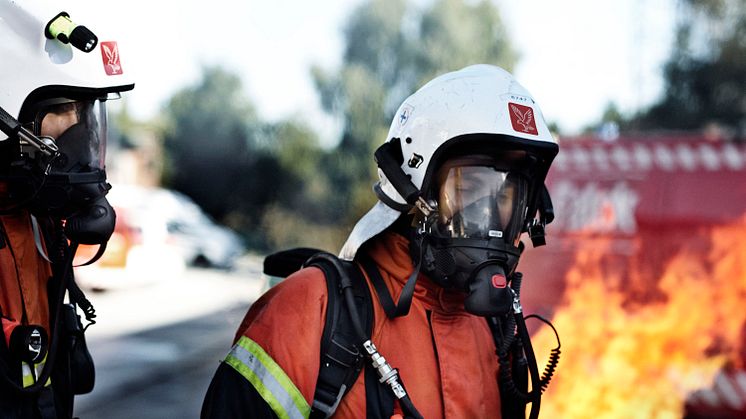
(79, 129)
(480, 201)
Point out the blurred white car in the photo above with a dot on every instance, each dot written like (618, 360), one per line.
(170, 222)
(205, 243)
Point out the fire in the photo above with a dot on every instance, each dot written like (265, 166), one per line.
(638, 338)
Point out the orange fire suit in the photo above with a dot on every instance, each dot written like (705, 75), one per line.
(23, 300)
(445, 356)
(23, 273)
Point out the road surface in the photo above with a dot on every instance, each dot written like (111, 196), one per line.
(156, 344)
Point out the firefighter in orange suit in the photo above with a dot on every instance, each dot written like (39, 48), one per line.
(461, 177)
(55, 77)
(23, 300)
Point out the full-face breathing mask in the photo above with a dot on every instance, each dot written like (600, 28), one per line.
(470, 242)
(70, 183)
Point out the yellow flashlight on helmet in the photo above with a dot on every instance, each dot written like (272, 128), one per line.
(62, 28)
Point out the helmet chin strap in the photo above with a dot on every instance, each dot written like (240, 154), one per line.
(401, 308)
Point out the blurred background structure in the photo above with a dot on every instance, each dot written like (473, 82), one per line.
(261, 118)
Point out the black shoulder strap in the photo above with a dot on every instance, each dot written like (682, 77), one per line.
(286, 262)
(384, 296)
(342, 359)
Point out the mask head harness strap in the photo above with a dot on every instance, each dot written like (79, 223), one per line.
(546, 216)
(389, 159)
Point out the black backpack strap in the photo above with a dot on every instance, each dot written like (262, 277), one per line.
(286, 262)
(342, 358)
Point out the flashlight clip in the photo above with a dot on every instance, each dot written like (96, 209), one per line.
(517, 308)
(537, 233)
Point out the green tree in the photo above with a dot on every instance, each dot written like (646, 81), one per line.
(705, 77)
(296, 149)
(390, 50)
(212, 153)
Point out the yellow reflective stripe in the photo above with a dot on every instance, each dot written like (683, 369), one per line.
(269, 380)
(29, 378)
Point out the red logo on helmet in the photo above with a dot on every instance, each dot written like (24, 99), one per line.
(522, 118)
(110, 55)
(499, 281)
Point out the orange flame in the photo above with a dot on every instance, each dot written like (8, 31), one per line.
(628, 353)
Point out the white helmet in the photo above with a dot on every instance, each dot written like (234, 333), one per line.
(36, 66)
(55, 77)
(479, 109)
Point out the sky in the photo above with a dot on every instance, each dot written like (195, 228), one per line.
(576, 56)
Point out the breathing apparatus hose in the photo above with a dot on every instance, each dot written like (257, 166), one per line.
(528, 349)
(554, 355)
(369, 349)
(406, 403)
(505, 330)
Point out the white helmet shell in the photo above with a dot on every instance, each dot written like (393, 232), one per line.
(31, 64)
(482, 100)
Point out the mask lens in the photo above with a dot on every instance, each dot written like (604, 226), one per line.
(57, 119)
(79, 128)
(480, 202)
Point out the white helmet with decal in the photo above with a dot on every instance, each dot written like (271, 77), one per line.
(35, 67)
(478, 109)
(55, 79)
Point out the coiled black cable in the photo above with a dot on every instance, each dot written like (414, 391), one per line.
(503, 332)
(507, 381)
(77, 297)
(554, 354)
(506, 342)
(88, 311)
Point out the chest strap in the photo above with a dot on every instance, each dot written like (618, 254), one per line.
(342, 359)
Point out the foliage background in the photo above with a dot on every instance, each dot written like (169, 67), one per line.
(274, 182)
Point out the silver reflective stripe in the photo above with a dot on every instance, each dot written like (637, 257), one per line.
(37, 238)
(269, 380)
